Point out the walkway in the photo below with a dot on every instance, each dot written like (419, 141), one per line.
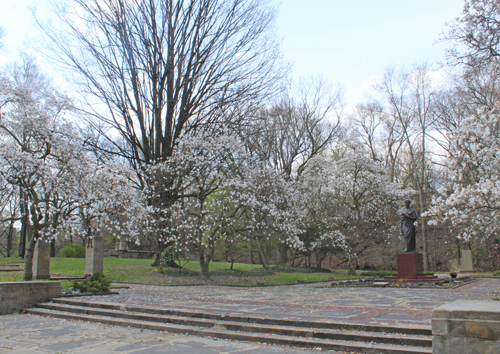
(384, 306)
(388, 306)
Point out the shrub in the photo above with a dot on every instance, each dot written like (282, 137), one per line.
(97, 283)
(173, 257)
(73, 251)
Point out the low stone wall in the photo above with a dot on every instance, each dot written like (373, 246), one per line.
(466, 327)
(18, 295)
(130, 254)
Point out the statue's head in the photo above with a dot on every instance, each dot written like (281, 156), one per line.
(407, 203)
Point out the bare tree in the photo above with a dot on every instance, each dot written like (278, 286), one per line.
(154, 71)
(479, 30)
(2, 34)
(304, 121)
(399, 130)
(167, 68)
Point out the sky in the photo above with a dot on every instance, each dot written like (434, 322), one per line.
(350, 42)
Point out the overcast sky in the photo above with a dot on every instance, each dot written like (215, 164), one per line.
(349, 41)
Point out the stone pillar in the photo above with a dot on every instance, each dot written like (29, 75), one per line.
(41, 260)
(94, 256)
(466, 261)
(122, 246)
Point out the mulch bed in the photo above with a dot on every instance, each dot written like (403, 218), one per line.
(440, 284)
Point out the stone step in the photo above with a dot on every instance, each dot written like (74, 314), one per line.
(251, 318)
(382, 338)
(219, 331)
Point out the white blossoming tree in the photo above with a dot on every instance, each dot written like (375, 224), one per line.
(269, 209)
(202, 170)
(43, 155)
(106, 199)
(471, 199)
(224, 196)
(352, 198)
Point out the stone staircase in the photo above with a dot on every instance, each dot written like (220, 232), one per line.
(355, 338)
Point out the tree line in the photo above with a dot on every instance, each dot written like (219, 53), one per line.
(185, 132)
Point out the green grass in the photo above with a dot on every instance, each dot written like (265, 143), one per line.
(12, 259)
(192, 265)
(482, 275)
(140, 271)
(11, 276)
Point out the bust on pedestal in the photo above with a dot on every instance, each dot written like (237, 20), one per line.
(410, 263)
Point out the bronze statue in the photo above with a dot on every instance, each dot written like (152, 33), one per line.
(408, 218)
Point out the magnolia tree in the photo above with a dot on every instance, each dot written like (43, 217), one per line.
(34, 149)
(223, 197)
(106, 200)
(471, 199)
(202, 170)
(350, 199)
(269, 208)
(43, 156)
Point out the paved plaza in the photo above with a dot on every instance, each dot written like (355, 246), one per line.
(22, 333)
(379, 306)
(29, 334)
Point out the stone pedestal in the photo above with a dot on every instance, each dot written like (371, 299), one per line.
(466, 327)
(411, 268)
(122, 246)
(41, 261)
(94, 256)
(466, 261)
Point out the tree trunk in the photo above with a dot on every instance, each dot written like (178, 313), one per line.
(24, 223)
(52, 248)
(160, 247)
(250, 252)
(10, 236)
(28, 258)
(262, 257)
(282, 254)
(205, 258)
(424, 232)
(351, 265)
(231, 257)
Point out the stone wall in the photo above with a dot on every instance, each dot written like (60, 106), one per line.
(18, 295)
(466, 327)
(130, 254)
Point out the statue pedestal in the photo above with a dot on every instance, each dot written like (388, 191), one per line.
(411, 268)
(466, 261)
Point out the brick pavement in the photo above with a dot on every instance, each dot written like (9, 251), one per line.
(29, 334)
(409, 307)
(384, 306)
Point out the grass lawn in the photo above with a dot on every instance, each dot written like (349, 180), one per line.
(140, 271)
(12, 259)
